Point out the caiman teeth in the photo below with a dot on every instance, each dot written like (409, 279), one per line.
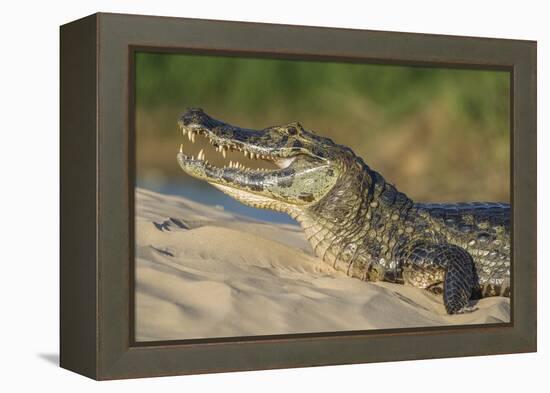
(223, 146)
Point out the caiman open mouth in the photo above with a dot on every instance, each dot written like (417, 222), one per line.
(220, 158)
(256, 167)
(236, 157)
(228, 154)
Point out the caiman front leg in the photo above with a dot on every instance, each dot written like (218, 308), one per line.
(428, 265)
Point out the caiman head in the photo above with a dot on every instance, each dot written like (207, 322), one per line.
(304, 168)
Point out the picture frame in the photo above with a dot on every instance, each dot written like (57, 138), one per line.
(97, 173)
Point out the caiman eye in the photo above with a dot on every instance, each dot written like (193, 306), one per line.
(292, 129)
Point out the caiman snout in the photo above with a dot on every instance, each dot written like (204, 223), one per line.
(279, 163)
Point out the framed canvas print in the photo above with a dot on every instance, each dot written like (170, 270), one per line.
(240, 196)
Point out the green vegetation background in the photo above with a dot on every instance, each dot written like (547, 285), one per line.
(438, 134)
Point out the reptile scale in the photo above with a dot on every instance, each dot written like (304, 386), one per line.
(353, 218)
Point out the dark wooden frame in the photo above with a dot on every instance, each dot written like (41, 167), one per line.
(97, 180)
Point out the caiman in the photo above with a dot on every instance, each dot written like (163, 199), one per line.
(353, 218)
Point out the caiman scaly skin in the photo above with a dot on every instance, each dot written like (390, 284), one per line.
(354, 219)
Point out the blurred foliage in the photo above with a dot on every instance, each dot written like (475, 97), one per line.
(438, 133)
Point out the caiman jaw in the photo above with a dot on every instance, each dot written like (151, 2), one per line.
(281, 182)
(223, 146)
(232, 172)
(234, 179)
